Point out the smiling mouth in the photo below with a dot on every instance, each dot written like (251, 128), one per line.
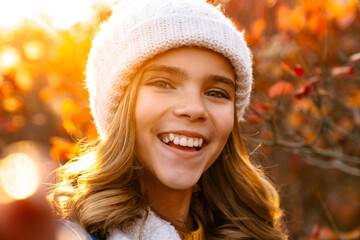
(182, 142)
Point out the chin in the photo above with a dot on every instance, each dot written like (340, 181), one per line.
(180, 182)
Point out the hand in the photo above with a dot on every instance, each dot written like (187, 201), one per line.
(27, 219)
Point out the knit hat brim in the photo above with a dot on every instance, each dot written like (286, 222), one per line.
(129, 39)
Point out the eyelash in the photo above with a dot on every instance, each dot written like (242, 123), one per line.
(218, 94)
(161, 84)
(211, 93)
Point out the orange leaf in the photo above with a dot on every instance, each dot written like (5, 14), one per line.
(296, 119)
(314, 6)
(317, 24)
(91, 132)
(62, 148)
(354, 234)
(75, 118)
(355, 99)
(281, 88)
(45, 95)
(258, 27)
(290, 19)
(342, 11)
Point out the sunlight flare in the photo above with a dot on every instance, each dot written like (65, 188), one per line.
(9, 57)
(66, 13)
(62, 14)
(19, 176)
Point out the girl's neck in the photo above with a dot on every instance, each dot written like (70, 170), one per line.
(170, 204)
(174, 209)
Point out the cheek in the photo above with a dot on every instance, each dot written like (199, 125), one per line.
(224, 122)
(142, 104)
(145, 109)
(141, 115)
(149, 103)
(143, 118)
(148, 115)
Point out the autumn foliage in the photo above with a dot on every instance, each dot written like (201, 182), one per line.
(303, 125)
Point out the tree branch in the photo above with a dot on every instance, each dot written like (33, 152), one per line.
(328, 154)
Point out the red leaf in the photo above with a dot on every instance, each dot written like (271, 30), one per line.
(281, 88)
(306, 89)
(297, 69)
(325, 232)
(252, 117)
(355, 57)
(259, 108)
(316, 232)
(343, 71)
(11, 127)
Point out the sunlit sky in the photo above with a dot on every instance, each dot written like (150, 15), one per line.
(61, 14)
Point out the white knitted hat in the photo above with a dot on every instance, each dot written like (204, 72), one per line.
(140, 29)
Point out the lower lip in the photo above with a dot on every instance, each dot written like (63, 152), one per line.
(183, 153)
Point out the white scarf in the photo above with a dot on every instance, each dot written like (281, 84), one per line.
(153, 228)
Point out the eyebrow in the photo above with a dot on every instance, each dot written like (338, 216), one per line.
(167, 69)
(183, 74)
(222, 79)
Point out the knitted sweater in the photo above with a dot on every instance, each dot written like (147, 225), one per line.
(153, 228)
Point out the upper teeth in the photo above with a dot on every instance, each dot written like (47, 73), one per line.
(182, 140)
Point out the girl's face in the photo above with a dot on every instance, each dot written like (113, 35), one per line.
(184, 114)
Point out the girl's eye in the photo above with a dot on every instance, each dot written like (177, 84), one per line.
(161, 84)
(217, 94)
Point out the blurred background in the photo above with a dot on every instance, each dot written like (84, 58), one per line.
(303, 125)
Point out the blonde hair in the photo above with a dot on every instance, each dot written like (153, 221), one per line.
(101, 189)
(239, 202)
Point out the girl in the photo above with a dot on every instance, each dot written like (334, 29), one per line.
(168, 82)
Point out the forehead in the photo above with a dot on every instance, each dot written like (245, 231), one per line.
(194, 59)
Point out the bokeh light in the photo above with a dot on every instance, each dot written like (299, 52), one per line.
(9, 57)
(19, 176)
(12, 104)
(33, 50)
(12, 13)
(312, 45)
(66, 13)
(61, 14)
(23, 80)
(24, 167)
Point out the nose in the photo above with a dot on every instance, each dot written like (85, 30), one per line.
(192, 107)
